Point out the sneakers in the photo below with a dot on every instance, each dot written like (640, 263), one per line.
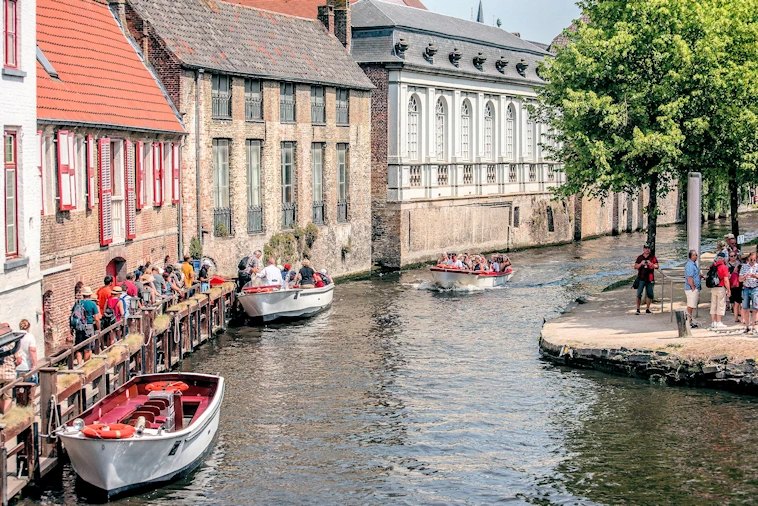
(717, 325)
(648, 311)
(638, 311)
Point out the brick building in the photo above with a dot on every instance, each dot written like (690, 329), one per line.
(110, 156)
(278, 117)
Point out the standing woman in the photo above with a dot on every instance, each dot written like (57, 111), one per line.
(27, 352)
(735, 299)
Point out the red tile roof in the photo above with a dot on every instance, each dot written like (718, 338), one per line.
(102, 79)
(307, 8)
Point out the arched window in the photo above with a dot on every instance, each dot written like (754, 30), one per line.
(509, 133)
(529, 137)
(413, 115)
(488, 113)
(465, 129)
(439, 134)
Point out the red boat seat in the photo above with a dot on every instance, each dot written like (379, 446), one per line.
(149, 417)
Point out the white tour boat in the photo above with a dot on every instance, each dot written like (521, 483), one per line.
(271, 301)
(449, 277)
(153, 429)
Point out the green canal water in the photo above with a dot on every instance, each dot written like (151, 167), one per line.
(400, 394)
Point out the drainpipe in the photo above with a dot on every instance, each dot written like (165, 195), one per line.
(198, 76)
(180, 253)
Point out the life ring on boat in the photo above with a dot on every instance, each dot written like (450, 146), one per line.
(260, 289)
(167, 386)
(108, 431)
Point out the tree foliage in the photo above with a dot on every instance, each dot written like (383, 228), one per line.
(637, 95)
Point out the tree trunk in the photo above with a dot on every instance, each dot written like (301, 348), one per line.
(734, 198)
(652, 213)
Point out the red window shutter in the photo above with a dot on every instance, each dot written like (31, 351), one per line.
(139, 175)
(90, 172)
(158, 174)
(72, 168)
(64, 180)
(131, 212)
(41, 141)
(106, 206)
(175, 173)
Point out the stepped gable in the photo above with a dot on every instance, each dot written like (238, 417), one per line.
(94, 74)
(227, 37)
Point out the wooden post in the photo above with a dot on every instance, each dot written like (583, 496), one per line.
(48, 394)
(683, 323)
(3, 469)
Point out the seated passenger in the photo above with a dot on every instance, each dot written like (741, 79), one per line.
(444, 259)
(325, 277)
(455, 262)
(317, 281)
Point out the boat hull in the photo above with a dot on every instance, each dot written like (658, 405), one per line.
(293, 303)
(448, 278)
(117, 466)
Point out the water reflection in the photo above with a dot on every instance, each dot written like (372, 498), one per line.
(403, 395)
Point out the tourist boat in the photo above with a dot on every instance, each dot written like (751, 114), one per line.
(450, 277)
(153, 429)
(271, 302)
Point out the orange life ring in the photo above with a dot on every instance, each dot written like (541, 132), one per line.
(109, 431)
(167, 386)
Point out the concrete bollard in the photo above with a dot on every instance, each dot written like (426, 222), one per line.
(683, 323)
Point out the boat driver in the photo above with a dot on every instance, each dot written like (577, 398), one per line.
(271, 273)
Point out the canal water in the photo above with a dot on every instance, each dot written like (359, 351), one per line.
(400, 394)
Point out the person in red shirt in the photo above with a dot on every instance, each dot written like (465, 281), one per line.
(720, 293)
(128, 285)
(104, 292)
(645, 265)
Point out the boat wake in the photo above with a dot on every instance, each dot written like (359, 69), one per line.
(434, 287)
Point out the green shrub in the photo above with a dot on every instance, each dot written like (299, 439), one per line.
(195, 249)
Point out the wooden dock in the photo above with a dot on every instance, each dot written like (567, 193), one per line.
(154, 339)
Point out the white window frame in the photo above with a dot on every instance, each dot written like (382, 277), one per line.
(510, 137)
(414, 116)
(466, 130)
(440, 112)
(489, 114)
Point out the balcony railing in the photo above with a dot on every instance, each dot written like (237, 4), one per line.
(442, 175)
(222, 221)
(318, 213)
(253, 108)
(342, 115)
(287, 109)
(342, 211)
(288, 215)
(318, 114)
(222, 106)
(254, 219)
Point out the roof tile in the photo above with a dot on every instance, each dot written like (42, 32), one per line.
(307, 8)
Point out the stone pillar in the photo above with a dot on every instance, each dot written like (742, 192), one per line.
(694, 211)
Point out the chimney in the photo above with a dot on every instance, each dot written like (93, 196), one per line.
(120, 7)
(342, 22)
(326, 16)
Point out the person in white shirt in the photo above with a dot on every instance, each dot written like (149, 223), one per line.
(271, 273)
(26, 356)
(456, 262)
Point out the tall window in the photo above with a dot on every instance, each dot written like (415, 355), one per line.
(318, 105)
(253, 100)
(317, 156)
(509, 133)
(343, 106)
(286, 102)
(11, 196)
(488, 113)
(342, 182)
(529, 137)
(10, 30)
(254, 200)
(221, 95)
(288, 176)
(440, 128)
(222, 214)
(413, 128)
(465, 129)
(118, 200)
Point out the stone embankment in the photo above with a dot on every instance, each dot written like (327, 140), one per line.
(604, 334)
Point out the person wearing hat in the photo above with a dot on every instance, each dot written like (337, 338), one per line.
(91, 313)
(721, 292)
(325, 276)
(645, 266)
(115, 305)
(203, 277)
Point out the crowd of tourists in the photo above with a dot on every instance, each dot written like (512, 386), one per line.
(498, 262)
(253, 273)
(15, 365)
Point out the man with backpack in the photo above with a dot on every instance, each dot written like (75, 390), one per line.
(717, 280)
(85, 317)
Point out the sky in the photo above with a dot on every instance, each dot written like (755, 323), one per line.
(537, 20)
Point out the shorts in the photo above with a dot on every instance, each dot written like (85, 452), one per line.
(692, 296)
(718, 301)
(750, 298)
(645, 286)
(32, 379)
(83, 335)
(735, 296)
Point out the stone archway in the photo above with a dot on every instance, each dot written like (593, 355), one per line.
(116, 268)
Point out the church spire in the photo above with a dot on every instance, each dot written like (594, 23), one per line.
(480, 16)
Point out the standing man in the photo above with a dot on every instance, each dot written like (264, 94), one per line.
(254, 263)
(188, 270)
(749, 279)
(721, 292)
(692, 284)
(271, 273)
(645, 266)
(104, 292)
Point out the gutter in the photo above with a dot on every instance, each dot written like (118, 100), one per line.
(108, 126)
(198, 73)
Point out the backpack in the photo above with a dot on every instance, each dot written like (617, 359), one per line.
(78, 320)
(243, 264)
(712, 279)
(109, 317)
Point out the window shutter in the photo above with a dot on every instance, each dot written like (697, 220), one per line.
(106, 206)
(40, 154)
(90, 172)
(131, 212)
(64, 181)
(158, 174)
(175, 172)
(72, 168)
(139, 175)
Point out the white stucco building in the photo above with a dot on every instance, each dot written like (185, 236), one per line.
(457, 161)
(20, 277)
